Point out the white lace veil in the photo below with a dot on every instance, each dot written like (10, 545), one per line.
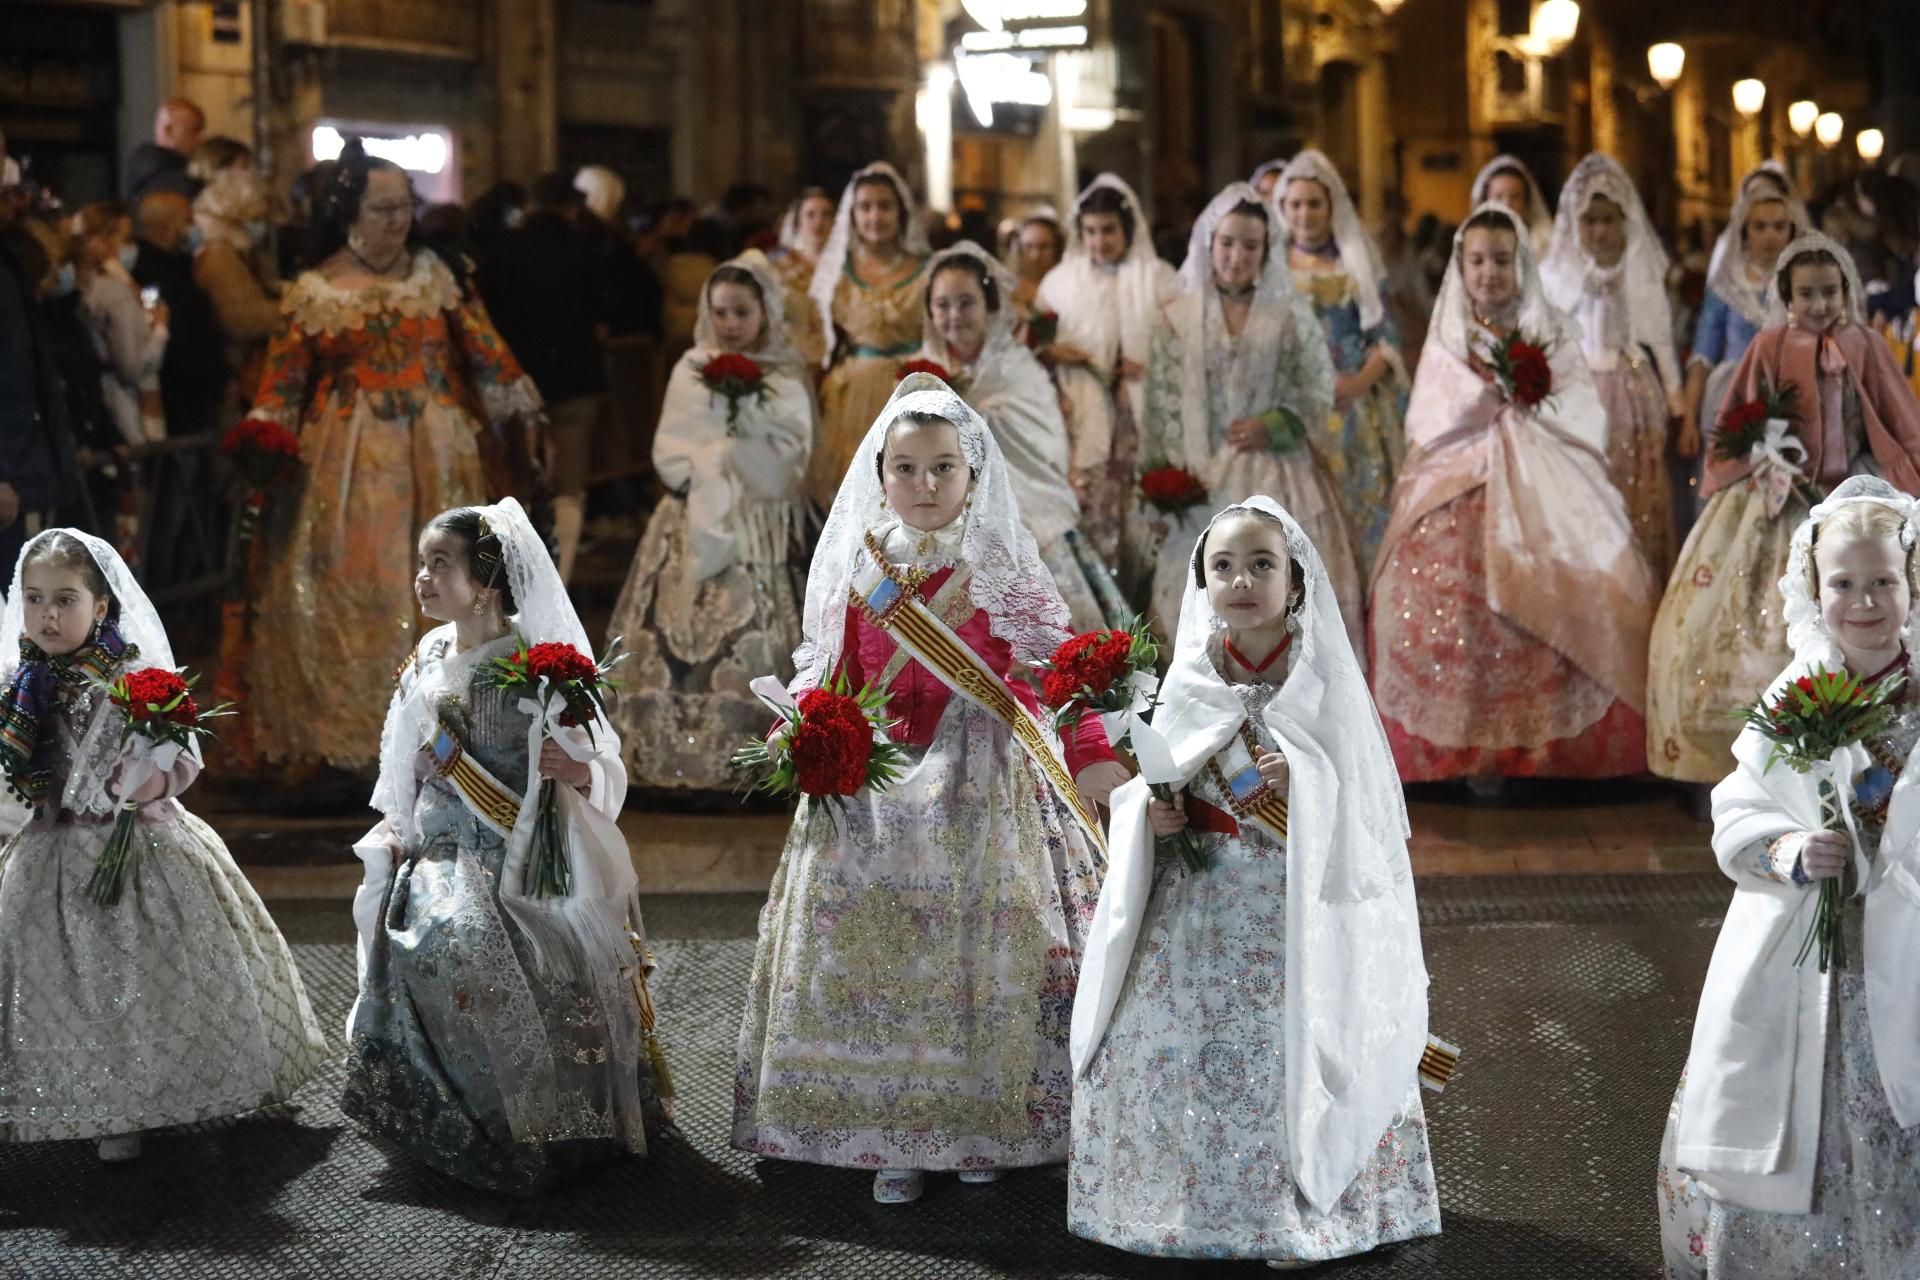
(1538, 217)
(1807, 633)
(1039, 213)
(1770, 174)
(1277, 165)
(791, 238)
(1567, 270)
(1810, 242)
(775, 348)
(1000, 323)
(1141, 246)
(139, 625)
(833, 258)
(1359, 255)
(1453, 324)
(1009, 581)
(1728, 274)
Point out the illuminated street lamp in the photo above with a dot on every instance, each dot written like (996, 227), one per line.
(1801, 116)
(1387, 7)
(1828, 128)
(1666, 61)
(1871, 143)
(1748, 97)
(1554, 25)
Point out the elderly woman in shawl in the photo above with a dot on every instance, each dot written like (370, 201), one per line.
(1509, 606)
(867, 288)
(1795, 1133)
(1605, 268)
(918, 949)
(1107, 293)
(1239, 377)
(713, 597)
(1246, 1036)
(970, 336)
(1718, 637)
(1337, 266)
(1507, 182)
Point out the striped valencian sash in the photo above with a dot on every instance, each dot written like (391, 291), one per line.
(889, 598)
(490, 800)
(1247, 793)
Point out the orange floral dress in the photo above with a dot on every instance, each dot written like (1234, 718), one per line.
(388, 388)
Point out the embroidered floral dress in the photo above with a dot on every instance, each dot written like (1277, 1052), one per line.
(913, 984)
(459, 1051)
(1179, 1124)
(1365, 444)
(389, 388)
(882, 326)
(1865, 1223)
(179, 1003)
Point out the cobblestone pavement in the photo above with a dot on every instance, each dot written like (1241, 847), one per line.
(1572, 996)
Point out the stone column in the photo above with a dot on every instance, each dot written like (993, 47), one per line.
(527, 124)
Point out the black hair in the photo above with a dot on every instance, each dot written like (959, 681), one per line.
(1296, 579)
(919, 418)
(337, 208)
(708, 236)
(730, 274)
(1491, 220)
(966, 265)
(486, 559)
(1107, 200)
(555, 193)
(1052, 224)
(1808, 258)
(1251, 209)
(62, 549)
(882, 180)
(1513, 171)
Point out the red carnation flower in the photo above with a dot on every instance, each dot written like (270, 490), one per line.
(926, 366)
(1172, 489)
(731, 366)
(559, 662)
(1806, 684)
(150, 689)
(1092, 661)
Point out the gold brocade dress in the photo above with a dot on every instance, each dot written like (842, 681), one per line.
(388, 389)
(881, 326)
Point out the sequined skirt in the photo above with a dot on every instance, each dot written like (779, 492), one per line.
(178, 1004)
(1637, 457)
(913, 984)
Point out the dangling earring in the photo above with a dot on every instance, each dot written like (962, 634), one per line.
(480, 604)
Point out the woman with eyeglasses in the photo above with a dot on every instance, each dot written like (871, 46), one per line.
(389, 371)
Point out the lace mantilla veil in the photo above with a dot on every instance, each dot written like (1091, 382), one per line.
(1009, 581)
(1453, 322)
(775, 348)
(1728, 275)
(1812, 242)
(1538, 218)
(88, 779)
(1807, 633)
(1567, 270)
(833, 257)
(1359, 255)
(1000, 323)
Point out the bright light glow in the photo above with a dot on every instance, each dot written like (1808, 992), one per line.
(1388, 6)
(994, 14)
(1000, 77)
(1554, 24)
(933, 112)
(416, 152)
(1666, 61)
(1828, 128)
(1088, 119)
(1871, 143)
(1029, 38)
(984, 12)
(1748, 97)
(1801, 116)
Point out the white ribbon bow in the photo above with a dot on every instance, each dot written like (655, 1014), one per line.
(1148, 745)
(1776, 459)
(141, 759)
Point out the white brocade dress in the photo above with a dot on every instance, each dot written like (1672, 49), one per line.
(179, 1003)
(1180, 1141)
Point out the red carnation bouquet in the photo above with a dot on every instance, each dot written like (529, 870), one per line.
(1522, 369)
(1043, 328)
(933, 367)
(1756, 432)
(1813, 723)
(158, 705)
(1113, 673)
(1173, 490)
(266, 455)
(550, 672)
(736, 377)
(830, 743)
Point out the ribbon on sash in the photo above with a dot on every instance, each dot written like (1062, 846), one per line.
(1248, 794)
(891, 602)
(491, 801)
(1776, 460)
